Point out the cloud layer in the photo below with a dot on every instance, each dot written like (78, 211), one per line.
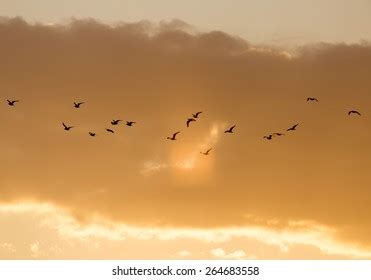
(158, 76)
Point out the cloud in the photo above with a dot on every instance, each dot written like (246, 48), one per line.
(8, 247)
(220, 253)
(101, 229)
(35, 249)
(184, 253)
(318, 174)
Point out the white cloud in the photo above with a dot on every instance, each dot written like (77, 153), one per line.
(220, 253)
(296, 233)
(184, 253)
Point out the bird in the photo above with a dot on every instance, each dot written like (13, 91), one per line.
(278, 134)
(354, 112)
(115, 122)
(174, 136)
(78, 104)
(12, 102)
(130, 123)
(312, 99)
(67, 127)
(92, 134)
(110, 130)
(207, 152)
(189, 121)
(196, 115)
(230, 130)
(293, 127)
(269, 137)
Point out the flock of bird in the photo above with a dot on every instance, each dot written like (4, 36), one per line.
(293, 128)
(115, 122)
(194, 118)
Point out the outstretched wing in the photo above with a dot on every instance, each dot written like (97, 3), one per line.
(189, 121)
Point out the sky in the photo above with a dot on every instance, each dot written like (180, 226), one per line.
(136, 194)
(284, 22)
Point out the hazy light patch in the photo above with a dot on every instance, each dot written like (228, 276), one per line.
(8, 247)
(152, 166)
(220, 253)
(186, 157)
(183, 253)
(296, 233)
(35, 249)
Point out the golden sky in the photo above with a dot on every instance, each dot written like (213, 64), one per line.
(135, 194)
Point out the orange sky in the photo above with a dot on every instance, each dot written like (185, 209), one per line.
(304, 195)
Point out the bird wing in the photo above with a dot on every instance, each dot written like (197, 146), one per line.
(208, 151)
(188, 121)
(65, 126)
(354, 112)
(175, 134)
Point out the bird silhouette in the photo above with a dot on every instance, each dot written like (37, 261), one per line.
(354, 112)
(230, 130)
(269, 137)
(174, 136)
(12, 102)
(67, 127)
(115, 122)
(293, 127)
(207, 152)
(110, 130)
(196, 115)
(130, 123)
(312, 99)
(189, 121)
(92, 134)
(78, 104)
(278, 134)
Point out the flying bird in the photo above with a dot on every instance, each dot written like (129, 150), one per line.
(12, 102)
(189, 121)
(230, 130)
(78, 104)
(196, 115)
(293, 127)
(312, 99)
(269, 137)
(67, 127)
(130, 123)
(207, 152)
(278, 134)
(174, 136)
(110, 130)
(115, 122)
(92, 134)
(354, 112)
